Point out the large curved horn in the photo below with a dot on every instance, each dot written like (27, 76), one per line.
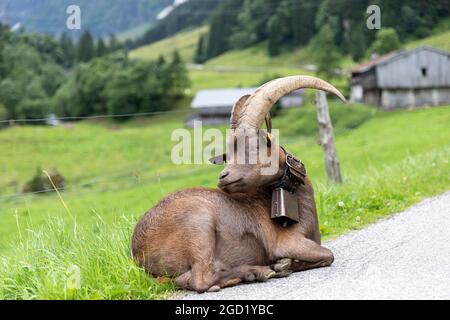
(259, 103)
(236, 112)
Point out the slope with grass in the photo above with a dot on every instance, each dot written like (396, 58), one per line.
(389, 161)
(248, 67)
(234, 69)
(185, 42)
(134, 33)
(439, 41)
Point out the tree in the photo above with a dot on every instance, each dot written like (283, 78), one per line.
(3, 113)
(386, 41)
(243, 27)
(326, 16)
(101, 48)
(275, 36)
(86, 49)
(356, 43)
(409, 22)
(112, 43)
(68, 50)
(218, 35)
(200, 53)
(278, 29)
(178, 75)
(115, 84)
(327, 55)
(4, 38)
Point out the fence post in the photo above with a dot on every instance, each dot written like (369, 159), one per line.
(327, 139)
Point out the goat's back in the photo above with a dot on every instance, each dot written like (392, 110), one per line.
(171, 234)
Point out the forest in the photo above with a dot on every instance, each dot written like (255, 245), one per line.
(40, 75)
(285, 24)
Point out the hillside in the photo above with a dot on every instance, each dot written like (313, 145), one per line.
(439, 41)
(134, 33)
(102, 17)
(234, 69)
(256, 56)
(248, 67)
(185, 42)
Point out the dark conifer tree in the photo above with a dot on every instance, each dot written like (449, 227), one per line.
(86, 50)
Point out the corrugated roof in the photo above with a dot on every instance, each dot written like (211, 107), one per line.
(370, 64)
(216, 98)
(219, 97)
(392, 56)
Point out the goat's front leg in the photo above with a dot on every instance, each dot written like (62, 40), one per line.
(248, 273)
(304, 253)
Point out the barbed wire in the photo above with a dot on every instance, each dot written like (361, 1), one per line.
(131, 176)
(139, 114)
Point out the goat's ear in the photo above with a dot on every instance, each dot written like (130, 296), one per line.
(220, 159)
(237, 110)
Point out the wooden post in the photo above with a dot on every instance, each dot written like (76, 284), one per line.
(327, 139)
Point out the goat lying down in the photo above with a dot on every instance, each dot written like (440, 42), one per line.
(209, 239)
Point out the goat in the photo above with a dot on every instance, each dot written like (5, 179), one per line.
(208, 239)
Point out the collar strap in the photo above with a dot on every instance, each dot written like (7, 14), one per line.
(268, 120)
(294, 174)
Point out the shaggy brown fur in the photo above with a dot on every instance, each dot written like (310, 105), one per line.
(210, 238)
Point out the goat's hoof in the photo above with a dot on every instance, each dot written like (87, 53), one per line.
(283, 274)
(214, 288)
(267, 275)
(250, 277)
(232, 282)
(282, 264)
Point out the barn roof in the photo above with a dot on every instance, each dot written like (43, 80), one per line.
(372, 63)
(391, 56)
(219, 97)
(214, 98)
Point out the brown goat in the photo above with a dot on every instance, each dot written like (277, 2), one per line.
(212, 238)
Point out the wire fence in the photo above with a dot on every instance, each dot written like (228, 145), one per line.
(133, 178)
(129, 175)
(104, 116)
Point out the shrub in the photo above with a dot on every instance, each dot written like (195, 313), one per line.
(3, 114)
(40, 182)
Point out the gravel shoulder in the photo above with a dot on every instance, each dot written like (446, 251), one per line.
(406, 256)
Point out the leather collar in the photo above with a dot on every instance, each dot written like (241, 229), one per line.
(294, 174)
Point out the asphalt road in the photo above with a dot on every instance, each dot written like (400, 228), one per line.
(404, 257)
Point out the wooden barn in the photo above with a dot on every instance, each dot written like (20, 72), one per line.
(404, 79)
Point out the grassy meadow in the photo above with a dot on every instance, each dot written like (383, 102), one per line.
(184, 41)
(78, 247)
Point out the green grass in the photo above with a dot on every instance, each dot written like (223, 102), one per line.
(247, 67)
(185, 42)
(229, 78)
(389, 161)
(56, 263)
(439, 41)
(134, 33)
(239, 68)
